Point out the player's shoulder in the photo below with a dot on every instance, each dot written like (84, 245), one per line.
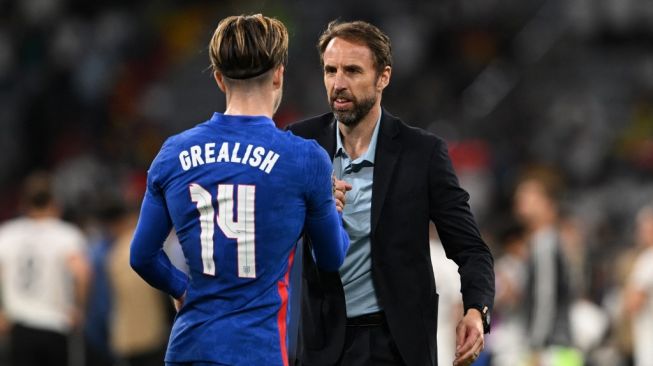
(65, 229)
(11, 226)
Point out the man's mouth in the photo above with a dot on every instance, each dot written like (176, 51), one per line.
(341, 103)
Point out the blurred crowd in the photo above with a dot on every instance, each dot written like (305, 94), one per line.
(547, 106)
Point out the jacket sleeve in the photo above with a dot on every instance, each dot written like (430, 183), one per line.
(450, 212)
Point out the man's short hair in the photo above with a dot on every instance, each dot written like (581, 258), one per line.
(246, 46)
(37, 190)
(363, 32)
(550, 180)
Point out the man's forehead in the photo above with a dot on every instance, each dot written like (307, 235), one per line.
(351, 51)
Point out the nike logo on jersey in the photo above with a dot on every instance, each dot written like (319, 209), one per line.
(254, 156)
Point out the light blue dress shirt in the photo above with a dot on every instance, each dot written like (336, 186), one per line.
(356, 271)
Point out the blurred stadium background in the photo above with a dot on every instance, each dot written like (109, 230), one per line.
(90, 89)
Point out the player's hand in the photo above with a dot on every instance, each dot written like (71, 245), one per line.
(340, 189)
(469, 338)
(179, 302)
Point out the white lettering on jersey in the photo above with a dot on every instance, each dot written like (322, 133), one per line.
(223, 156)
(269, 161)
(248, 150)
(254, 156)
(209, 152)
(196, 157)
(184, 159)
(243, 230)
(202, 200)
(234, 154)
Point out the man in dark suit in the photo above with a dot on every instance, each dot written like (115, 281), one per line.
(381, 308)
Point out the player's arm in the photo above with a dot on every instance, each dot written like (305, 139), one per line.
(323, 223)
(80, 270)
(147, 257)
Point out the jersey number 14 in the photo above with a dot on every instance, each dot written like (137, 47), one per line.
(241, 230)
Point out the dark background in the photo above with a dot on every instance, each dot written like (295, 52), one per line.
(90, 89)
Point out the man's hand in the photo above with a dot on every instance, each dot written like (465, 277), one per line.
(179, 302)
(469, 338)
(340, 189)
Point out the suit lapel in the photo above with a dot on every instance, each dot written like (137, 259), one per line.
(326, 137)
(385, 159)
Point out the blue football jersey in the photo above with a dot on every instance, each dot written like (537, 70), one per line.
(239, 192)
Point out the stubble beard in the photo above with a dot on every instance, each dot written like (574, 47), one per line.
(352, 117)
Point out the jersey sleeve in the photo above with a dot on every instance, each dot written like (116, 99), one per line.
(147, 256)
(323, 223)
(154, 188)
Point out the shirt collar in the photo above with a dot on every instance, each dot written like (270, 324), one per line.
(229, 118)
(371, 149)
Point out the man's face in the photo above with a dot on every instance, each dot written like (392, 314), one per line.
(530, 201)
(351, 80)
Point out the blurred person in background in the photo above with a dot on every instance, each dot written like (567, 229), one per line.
(139, 322)
(574, 246)
(638, 297)
(238, 192)
(98, 311)
(450, 310)
(507, 343)
(44, 276)
(381, 308)
(622, 320)
(548, 294)
(623, 297)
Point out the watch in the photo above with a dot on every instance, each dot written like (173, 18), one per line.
(485, 315)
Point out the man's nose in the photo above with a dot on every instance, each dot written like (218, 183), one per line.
(339, 82)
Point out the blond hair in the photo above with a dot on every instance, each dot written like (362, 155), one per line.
(247, 46)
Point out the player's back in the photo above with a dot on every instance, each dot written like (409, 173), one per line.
(36, 287)
(235, 188)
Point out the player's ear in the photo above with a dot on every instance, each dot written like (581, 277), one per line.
(219, 79)
(384, 78)
(277, 77)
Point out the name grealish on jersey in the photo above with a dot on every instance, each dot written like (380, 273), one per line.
(254, 156)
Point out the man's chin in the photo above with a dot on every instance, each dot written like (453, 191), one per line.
(346, 118)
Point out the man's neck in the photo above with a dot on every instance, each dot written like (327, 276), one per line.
(356, 139)
(250, 104)
(43, 213)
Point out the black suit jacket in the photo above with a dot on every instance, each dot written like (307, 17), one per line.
(414, 183)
